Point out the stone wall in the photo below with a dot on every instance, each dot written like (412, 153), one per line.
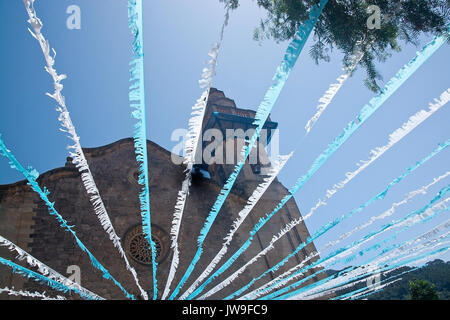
(17, 212)
(26, 221)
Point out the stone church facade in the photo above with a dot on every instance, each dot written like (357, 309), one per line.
(24, 218)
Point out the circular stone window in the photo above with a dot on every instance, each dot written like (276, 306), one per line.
(138, 248)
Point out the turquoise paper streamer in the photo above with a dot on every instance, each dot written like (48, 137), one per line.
(335, 222)
(400, 264)
(137, 100)
(343, 296)
(365, 113)
(351, 268)
(279, 80)
(441, 193)
(31, 175)
(43, 279)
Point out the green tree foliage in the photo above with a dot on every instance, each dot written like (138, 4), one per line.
(343, 26)
(422, 290)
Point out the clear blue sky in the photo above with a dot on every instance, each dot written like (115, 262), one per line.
(178, 35)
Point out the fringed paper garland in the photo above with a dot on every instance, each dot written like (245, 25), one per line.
(333, 90)
(379, 264)
(256, 293)
(340, 283)
(77, 153)
(383, 284)
(364, 292)
(289, 227)
(384, 215)
(369, 109)
(407, 222)
(366, 112)
(281, 294)
(372, 219)
(28, 294)
(195, 127)
(389, 212)
(304, 294)
(47, 271)
(260, 254)
(35, 276)
(413, 122)
(335, 255)
(325, 228)
(311, 296)
(355, 273)
(137, 100)
(262, 113)
(251, 203)
(141, 152)
(31, 175)
(361, 273)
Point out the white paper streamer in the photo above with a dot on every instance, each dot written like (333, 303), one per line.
(410, 221)
(46, 270)
(388, 212)
(67, 126)
(374, 267)
(277, 166)
(396, 251)
(195, 127)
(378, 288)
(389, 271)
(396, 136)
(271, 246)
(28, 294)
(425, 214)
(334, 88)
(275, 283)
(365, 113)
(256, 293)
(381, 287)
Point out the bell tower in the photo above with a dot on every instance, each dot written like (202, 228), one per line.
(225, 130)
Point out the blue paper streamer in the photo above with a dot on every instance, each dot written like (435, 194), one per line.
(387, 266)
(31, 175)
(43, 279)
(365, 113)
(351, 268)
(264, 109)
(379, 244)
(335, 222)
(368, 261)
(277, 295)
(343, 296)
(137, 100)
(438, 197)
